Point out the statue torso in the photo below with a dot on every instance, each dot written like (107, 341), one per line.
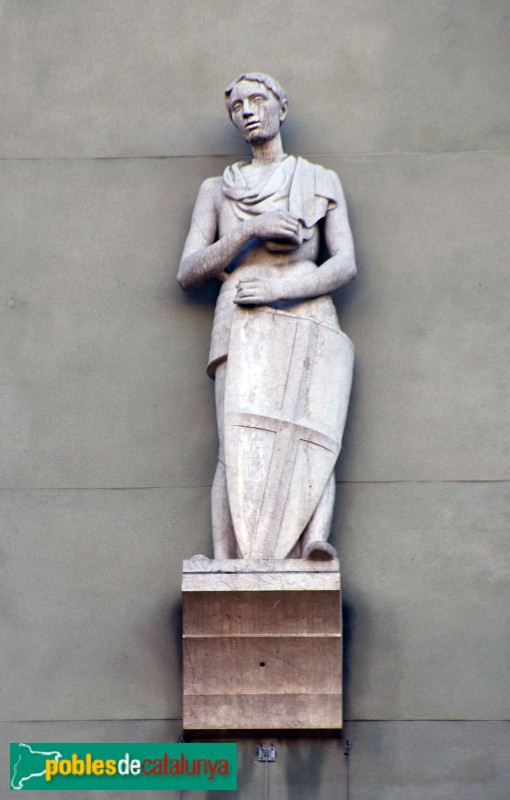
(251, 188)
(248, 188)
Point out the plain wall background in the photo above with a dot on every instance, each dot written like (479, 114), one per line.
(111, 115)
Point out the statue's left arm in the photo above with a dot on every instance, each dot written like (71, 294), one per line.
(336, 271)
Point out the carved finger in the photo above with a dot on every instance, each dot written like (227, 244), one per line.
(250, 285)
(292, 220)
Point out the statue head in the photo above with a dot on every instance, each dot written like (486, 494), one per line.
(257, 106)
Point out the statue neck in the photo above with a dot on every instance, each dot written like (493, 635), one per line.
(269, 151)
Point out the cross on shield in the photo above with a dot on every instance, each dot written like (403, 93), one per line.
(286, 398)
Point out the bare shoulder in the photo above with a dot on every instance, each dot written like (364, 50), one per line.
(211, 189)
(212, 184)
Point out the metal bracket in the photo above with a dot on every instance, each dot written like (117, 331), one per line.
(266, 752)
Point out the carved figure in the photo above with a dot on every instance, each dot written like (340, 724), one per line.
(281, 364)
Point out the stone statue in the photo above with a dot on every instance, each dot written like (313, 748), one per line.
(281, 365)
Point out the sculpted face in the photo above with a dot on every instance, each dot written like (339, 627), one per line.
(255, 111)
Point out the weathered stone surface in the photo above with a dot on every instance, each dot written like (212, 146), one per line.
(284, 423)
(304, 766)
(431, 385)
(425, 599)
(282, 366)
(200, 564)
(203, 574)
(308, 767)
(263, 654)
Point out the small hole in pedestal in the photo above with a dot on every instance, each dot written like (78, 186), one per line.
(262, 664)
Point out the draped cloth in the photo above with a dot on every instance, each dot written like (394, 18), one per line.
(307, 191)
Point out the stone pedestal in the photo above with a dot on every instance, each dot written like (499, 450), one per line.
(262, 645)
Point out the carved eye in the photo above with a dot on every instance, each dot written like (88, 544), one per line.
(258, 99)
(236, 107)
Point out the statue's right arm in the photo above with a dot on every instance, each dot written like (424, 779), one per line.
(203, 257)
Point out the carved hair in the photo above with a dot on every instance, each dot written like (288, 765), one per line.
(258, 77)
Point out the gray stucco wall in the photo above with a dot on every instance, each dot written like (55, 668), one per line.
(111, 115)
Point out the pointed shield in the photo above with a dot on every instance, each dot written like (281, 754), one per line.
(286, 398)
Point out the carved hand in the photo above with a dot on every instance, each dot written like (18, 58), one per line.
(276, 225)
(252, 291)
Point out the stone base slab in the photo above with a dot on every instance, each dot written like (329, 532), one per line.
(262, 645)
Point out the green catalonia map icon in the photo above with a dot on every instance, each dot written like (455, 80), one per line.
(28, 764)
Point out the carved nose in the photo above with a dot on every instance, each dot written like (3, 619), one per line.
(247, 112)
